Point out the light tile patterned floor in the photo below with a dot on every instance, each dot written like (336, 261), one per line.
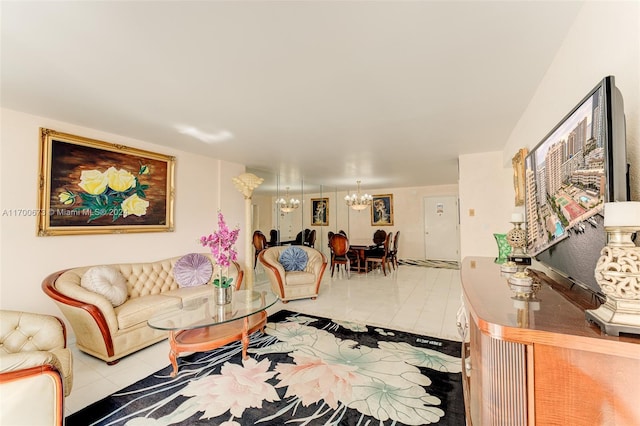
(418, 299)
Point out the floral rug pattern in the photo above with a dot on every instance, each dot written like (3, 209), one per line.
(304, 370)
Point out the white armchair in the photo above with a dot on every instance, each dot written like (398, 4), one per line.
(36, 369)
(290, 285)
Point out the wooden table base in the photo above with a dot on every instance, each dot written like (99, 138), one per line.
(214, 336)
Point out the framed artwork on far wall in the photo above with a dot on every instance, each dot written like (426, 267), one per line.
(382, 210)
(319, 211)
(88, 186)
(518, 175)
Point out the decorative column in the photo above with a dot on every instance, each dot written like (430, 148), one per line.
(618, 271)
(246, 183)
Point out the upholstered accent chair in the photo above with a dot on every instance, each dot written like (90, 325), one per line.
(36, 369)
(294, 284)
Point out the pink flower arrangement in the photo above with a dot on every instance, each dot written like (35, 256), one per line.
(221, 245)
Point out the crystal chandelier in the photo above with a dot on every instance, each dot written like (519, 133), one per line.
(357, 201)
(289, 204)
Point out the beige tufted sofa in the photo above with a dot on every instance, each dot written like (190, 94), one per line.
(109, 332)
(36, 368)
(294, 284)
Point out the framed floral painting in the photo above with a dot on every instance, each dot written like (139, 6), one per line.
(88, 186)
(382, 210)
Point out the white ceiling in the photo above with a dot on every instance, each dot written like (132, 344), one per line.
(388, 92)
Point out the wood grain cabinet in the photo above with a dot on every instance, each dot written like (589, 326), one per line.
(540, 362)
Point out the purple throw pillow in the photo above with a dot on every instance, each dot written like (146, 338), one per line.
(192, 270)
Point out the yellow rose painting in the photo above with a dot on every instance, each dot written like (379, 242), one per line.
(93, 181)
(120, 180)
(88, 186)
(113, 192)
(134, 205)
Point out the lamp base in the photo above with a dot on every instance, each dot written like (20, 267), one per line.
(520, 259)
(616, 316)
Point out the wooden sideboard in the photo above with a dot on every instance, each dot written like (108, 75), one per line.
(540, 362)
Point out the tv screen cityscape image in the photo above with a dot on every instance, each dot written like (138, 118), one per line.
(565, 176)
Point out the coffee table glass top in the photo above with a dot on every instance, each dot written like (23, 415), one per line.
(203, 311)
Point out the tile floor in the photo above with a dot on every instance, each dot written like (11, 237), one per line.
(413, 298)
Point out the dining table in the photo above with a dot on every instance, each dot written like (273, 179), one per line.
(360, 246)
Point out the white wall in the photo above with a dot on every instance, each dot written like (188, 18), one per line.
(202, 186)
(604, 40)
(486, 187)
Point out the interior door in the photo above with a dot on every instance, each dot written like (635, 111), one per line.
(441, 228)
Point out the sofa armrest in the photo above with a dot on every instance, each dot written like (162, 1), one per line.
(107, 324)
(317, 263)
(32, 396)
(24, 360)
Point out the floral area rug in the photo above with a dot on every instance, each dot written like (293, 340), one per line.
(304, 370)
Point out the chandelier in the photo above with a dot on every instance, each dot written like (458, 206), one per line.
(289, 204)
(357, 201)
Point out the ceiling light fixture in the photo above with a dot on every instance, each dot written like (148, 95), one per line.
(357, 201)
(289, 204)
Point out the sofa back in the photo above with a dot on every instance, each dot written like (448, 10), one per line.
(143, 279)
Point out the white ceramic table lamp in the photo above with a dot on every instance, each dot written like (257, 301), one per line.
(618, 271)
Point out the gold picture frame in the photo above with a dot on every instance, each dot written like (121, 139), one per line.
(87, 186)
(518, 175)
(320, 212)
(382, 210)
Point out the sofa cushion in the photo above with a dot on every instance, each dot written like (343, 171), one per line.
(192, 270)
(299, 278)
(107, 281)
(139, 309)
(293, 259)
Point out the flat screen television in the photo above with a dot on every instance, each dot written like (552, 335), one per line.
(577, 167)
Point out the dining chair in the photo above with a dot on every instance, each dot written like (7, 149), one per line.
(311, 239)
(379, 237)
(274, 236)
(339, 245)
(259, 244)
(393, 252)
(379, 255)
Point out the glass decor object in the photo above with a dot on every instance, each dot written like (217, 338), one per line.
(504, 249)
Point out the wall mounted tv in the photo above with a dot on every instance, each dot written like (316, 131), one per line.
(569, 175)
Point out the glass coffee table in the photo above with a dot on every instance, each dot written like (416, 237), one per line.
(201, 325)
